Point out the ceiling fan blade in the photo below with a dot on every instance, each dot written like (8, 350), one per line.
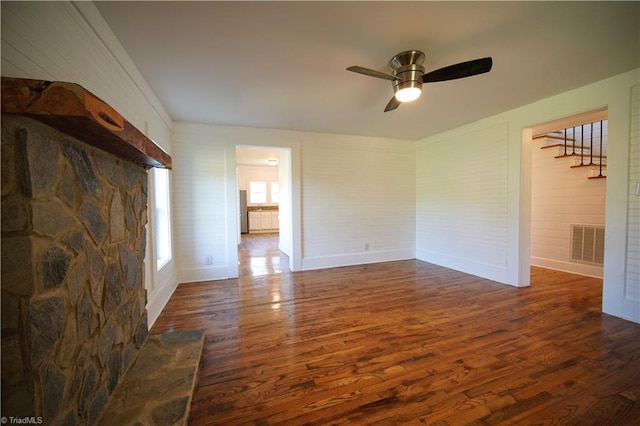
(393, 104)
(461, 70)
(372, 73)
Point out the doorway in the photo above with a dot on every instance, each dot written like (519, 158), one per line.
(264, 222)
(568, 188)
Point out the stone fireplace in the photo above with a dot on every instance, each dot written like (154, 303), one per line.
(74, 200)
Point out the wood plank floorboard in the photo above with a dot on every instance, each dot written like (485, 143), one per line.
(407, 343)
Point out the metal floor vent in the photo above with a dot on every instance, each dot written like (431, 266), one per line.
(587, 244)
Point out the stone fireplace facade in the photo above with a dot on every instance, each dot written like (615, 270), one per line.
(73, 296)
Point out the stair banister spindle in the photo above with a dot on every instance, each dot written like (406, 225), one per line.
(565, 141)
(591, 146)
(582, 144)
(573, 141)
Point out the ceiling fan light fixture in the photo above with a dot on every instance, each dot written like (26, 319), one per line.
(408, 94)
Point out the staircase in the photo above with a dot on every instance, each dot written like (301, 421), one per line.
(585, 145)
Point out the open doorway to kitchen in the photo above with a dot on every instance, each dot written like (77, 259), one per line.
(264, 210)
(568, 188)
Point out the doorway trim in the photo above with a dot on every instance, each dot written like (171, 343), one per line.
(293, 187)
(527, 174)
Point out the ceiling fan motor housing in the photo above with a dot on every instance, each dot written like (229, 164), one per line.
(410, 76)
(407, 66)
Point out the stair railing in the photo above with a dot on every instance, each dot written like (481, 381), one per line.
(582, 144)
(601, 156)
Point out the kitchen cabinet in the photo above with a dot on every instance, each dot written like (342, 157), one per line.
(254, 221)
(263, 220)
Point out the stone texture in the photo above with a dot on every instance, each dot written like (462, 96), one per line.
(68, 344)
(170, 412)
(92, 218)
(77, 280)
(134, 176)
(15, 213)
(70, 418)
(111, 170)
(107, 337)
(116, 214)
(73, 300)
(113, 289)
(128, 356)
(42, 158)
(53, 267)
(16, 252)
(11, 355)
(50, 219)
(46, 322)
(85, 317)
(53, 381)
(79, 370)
(142, 331)
(85, 175)
(67, 190)
(97, 266)
(98, 403)
(89, 387)
(113, 369)
(159, 387)
(131, 262)
(76, 241)
(8, 161)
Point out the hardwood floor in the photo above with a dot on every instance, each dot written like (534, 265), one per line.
(258, 254)
(408, 342)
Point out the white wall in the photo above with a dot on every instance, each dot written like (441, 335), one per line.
(562, 196)
(462, 200)
(466, 223)
(351, 191)
(63, 41)
(357, 191)
(632, 272)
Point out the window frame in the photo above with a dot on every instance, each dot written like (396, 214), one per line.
(162, 241)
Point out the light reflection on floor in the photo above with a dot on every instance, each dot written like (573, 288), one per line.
(258, 255)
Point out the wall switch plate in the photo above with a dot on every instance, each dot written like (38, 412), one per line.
(638, 188)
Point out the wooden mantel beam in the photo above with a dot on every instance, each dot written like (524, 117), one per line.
(76, 112)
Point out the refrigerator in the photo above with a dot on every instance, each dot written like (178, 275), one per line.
(244, 215)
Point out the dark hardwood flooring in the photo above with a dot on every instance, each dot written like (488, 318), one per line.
(407, 343)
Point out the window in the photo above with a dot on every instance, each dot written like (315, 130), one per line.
(275, 192)
(161, 216)
(257, 192)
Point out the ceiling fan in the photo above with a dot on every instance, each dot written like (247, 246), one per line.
(408, 74)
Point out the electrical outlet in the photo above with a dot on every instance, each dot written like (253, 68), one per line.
(366, 246)
(208, 260)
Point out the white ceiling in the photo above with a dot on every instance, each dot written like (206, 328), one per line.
(254, 156)
(282, 64)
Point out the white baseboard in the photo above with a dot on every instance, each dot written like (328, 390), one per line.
(571, 267)
(209, 273)
(491, 272)
(350, 259)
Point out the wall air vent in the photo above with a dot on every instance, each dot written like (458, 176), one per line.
(587, 244)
